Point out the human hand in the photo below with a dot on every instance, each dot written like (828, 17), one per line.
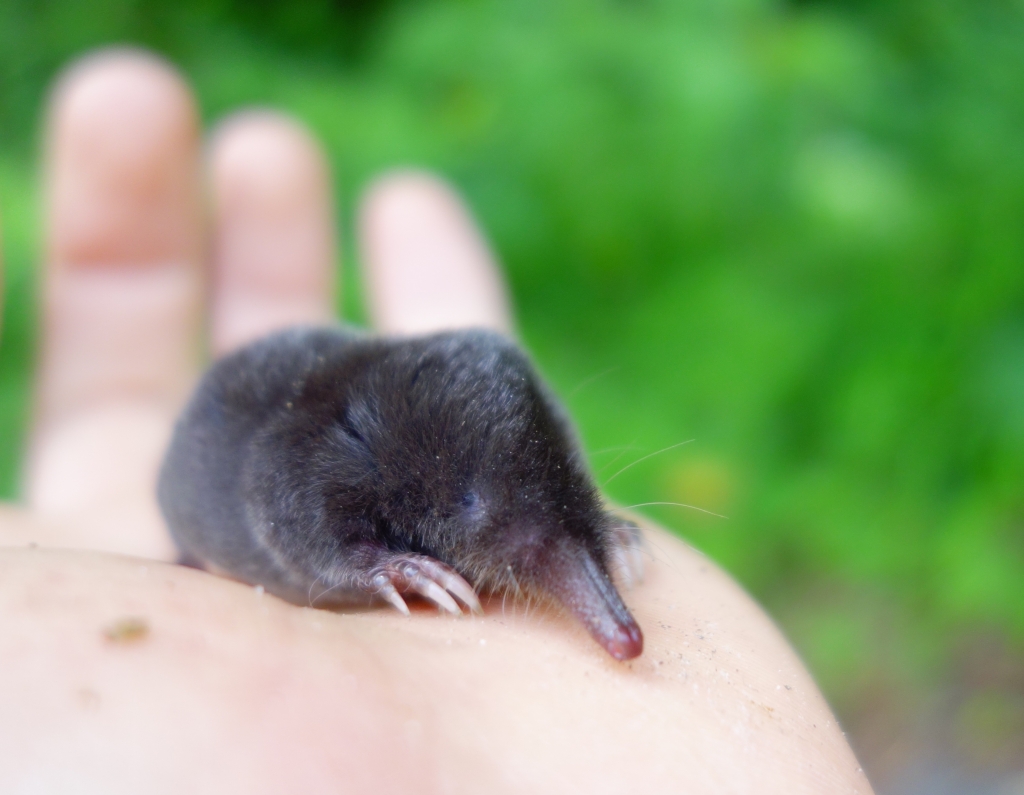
(125, 673)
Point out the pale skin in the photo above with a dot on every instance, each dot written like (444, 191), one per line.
(123, 672)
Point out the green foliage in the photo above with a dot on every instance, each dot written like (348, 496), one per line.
(791, 232)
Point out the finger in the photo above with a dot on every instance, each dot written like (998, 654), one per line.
(274, 240)
(123, 234)
(427, 266)
(121, 297)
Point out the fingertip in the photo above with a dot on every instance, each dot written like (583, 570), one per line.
(274, 239)
(266, 160)
(427, 265)
(122, 137)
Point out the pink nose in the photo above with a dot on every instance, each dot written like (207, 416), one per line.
(625, 642)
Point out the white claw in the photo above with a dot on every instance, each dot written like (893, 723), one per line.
(436, 594)
(396, 600)
(432, 580)
(454, 584)
(462, 591)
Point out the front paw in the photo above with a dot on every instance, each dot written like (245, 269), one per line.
(418, 574)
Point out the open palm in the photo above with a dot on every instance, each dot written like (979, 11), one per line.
(125, 673)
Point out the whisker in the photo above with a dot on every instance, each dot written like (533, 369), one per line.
(604, 450)
(677, 504)
(649, 455)
(591, 379)
(630, 446)
(515, 582)
(323, 592)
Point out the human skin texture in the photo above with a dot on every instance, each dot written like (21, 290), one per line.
(123, 672)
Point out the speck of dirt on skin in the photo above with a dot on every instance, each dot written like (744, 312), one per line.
(130, 629)
(89, 699)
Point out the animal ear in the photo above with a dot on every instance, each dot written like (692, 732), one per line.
(359, 420)
(581, 584)
(351, 458)
(625, 547)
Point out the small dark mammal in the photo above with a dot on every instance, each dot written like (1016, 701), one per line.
(335, 468)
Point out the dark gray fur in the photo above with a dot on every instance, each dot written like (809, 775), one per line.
(309, 460)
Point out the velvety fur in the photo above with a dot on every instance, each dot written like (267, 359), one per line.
(310, 459)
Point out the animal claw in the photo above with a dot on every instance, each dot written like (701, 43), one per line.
(429, 578)
(430, 590)
(390, 594)
(453, 584)
(464, 592)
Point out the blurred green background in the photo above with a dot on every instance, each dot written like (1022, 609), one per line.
(791, 231)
